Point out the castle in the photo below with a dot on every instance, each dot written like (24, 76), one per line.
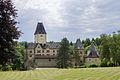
(42, 54)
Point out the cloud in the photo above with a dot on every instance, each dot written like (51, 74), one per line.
(70, 18)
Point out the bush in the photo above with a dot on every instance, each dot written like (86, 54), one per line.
(110, 64)
(0, 67)
(104, 63)
(93, 65)
(6, 68)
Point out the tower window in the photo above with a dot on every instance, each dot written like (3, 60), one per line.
(80, 52)
(41, 35)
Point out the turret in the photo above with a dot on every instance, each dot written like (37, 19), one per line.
(40, 35)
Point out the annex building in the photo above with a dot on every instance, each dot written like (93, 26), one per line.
(42, 54)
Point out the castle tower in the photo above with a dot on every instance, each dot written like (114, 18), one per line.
(40, 35)
(79, 44)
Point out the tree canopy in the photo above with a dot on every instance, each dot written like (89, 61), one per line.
(8, 32)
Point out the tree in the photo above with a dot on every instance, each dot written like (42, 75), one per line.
(20, 54)
(8, 32)
(105, 47)
(115, 49)
(86, 42)
(76, 57)
(63, 57)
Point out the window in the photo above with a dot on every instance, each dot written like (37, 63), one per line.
(48, 51)
(43, 51)
(53, 54)
(41, 35)
(80, 52)
(89, 59)
(38, 46)
(48, 54)
(49, 59)
(53, 50)
(30, 51)
(38, 51)
(30, 55)
(42, 54)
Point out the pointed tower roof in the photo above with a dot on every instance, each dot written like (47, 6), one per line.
(93, 52)
(40, 29)
(79, 44)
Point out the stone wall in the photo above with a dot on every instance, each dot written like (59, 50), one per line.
(45, 63)
(90, 61)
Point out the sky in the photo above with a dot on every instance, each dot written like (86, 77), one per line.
(68, 18)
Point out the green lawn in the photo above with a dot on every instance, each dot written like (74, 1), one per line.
(64, 74)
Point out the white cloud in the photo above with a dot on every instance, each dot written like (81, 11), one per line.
(72, 18)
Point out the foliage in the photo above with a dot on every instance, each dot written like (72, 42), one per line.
(76, 57)
(7, 67)
(93, 65)
(8, 32)
(108, 46)
(86, 42)
(63, 57)
(104, 63)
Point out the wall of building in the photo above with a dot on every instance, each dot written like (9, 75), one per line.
(81, 53)
(46, 51)
(45, 63)
(90, 61)
(40, 38)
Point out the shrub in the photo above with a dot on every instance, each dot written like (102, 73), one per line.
(110, 64)
(0, 67)
(104, 63)
(93, 65)
(6, 68)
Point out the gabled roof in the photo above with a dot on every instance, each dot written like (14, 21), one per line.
(79, 44)
(93, 52)
(40, 29)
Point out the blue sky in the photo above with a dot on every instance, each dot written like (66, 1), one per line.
(68, 18)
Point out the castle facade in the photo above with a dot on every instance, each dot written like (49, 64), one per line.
(42, 54)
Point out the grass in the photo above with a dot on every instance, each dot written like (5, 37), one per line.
(112, 73)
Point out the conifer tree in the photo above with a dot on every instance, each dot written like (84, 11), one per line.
(63, 58)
